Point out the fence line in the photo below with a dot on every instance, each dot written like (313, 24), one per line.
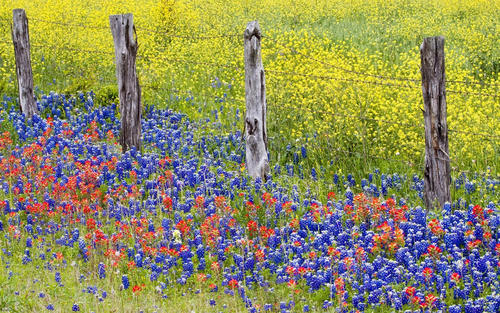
(42, 46)
(239, 68)
(324, 77)
(292, 49)
(378, 83)
(481, 83)
(69, 24)
(166, 58)
(194, 37)
(138, 28)
(226, 99)
(416, 126)
(109, 53)
(383, 77)
(486, 136)
(473, 93)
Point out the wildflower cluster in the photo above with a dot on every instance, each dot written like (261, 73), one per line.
(181, 215)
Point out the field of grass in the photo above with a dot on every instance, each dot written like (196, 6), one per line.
(180, 227)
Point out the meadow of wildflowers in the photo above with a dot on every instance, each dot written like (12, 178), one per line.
(180, 227)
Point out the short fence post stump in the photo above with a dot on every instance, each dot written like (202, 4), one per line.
(437, 176)
(255, 96)
(129, 91)
(21, 41)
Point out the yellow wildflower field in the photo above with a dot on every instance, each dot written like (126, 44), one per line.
(344, 74)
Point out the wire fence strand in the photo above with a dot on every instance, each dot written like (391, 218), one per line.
(343, 69)
(187, 61)
(378, 76)
(409, 81)
(480, 94)
(66, 24)
(351, 80)
(291, 49)
(191, 37)
(377, 83)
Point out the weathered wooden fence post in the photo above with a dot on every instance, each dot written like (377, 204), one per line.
(437, 177)
(129, 91)
(21, 40)
(255, 97)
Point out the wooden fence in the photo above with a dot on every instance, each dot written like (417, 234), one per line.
(437, 162)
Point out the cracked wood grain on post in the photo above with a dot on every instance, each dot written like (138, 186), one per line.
(437, 176)
(129, 91)
(21, 41)
(255, 96)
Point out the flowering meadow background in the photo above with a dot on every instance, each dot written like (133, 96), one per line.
(180, 227)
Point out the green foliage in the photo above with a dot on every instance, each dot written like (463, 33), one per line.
(106, 95)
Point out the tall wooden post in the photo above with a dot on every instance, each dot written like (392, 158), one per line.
(129, 91)
(21, 40)
(255, 97)
(437, 177)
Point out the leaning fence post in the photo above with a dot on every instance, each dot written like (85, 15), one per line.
(437, 176)
(255, 97)
(21, 41)
(129, 91)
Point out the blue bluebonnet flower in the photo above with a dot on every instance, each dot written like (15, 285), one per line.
(101, 270)
(125, 282)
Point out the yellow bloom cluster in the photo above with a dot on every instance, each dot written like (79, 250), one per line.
(344, 72)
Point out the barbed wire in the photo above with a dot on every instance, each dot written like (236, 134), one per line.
(378, 76)
(66, 24)
(379, 120)
(452, 160)
(58, 47)
(192, 37)
(352, 80)
(238, 68)
(180, 60)
(359, 154)
(108, 53)
(293, 50)
(486, 136)
(481, 83)
(473, 93)
(377, 83)
(138, 28)
(139, 57)
(194, 94)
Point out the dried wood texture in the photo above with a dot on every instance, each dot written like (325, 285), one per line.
(129, 91)
(437, 175)
(21, 40)
(255, 95)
